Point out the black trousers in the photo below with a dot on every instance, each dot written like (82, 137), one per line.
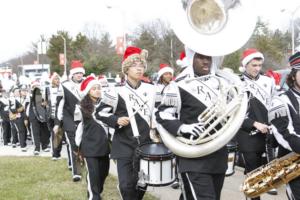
(21, 130)
(73, 150)
(6, 132)
(97, 171)
(14, 133)
(201, 186)
(56, 150)
(40, 133)
(128, 169)
(252, 161)
(294, 192)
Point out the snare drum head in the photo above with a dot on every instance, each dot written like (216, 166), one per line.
(154, 149)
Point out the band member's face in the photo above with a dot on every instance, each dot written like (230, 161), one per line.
(95, 91)
(17, 93)
(136, 71)
(55, 81)
(253, 68)
(23, 93)
(77, 76)
(167, 77)
(202, 64)
(297, 80)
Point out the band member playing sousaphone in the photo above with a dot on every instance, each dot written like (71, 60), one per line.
(129, 110)
(285, 119)
(183, 101)
(38, 126)
(252, 135)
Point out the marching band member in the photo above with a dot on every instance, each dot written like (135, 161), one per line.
(67, 113)
(129, 110)
(182, 103)
(94, 144)
(25, 100)
(55, 93)
(252, 135)
(17, 117)
(285, 119)
(4, 113)
(165, 76)
(39, 130)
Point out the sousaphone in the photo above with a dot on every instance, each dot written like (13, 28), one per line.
(213, 28)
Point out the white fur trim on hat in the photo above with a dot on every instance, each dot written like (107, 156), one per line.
(77, 70)
(165, 70)
(89, 86)
(182, 63)
(248, 58)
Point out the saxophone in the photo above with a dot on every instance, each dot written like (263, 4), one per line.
(272, 175)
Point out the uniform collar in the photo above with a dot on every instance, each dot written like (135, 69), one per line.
(250, 77)
(130, 85)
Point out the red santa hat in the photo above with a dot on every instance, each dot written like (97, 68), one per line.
(131, 55)
(248, 55)
(164, 68)
(182, 61)
(87, 84)
(76, 67)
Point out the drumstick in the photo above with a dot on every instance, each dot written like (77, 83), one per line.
(133, 114)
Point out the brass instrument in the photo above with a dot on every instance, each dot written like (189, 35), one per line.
(210, 27)
(272, 175)
(12, 116)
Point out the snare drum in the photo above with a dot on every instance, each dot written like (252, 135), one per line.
(157, 164)
(232, 149)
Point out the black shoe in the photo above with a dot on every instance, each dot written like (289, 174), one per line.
(175, 185)
(76, 178)
(14, 145)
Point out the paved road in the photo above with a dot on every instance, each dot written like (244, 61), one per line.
(230, 190)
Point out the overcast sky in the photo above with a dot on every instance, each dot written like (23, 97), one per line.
(23, 21)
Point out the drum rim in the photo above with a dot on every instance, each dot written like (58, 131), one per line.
(159, 157)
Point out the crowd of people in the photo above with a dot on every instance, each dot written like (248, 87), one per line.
(99, 124)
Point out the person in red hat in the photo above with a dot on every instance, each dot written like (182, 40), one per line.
(67, 114)
(182, 61)
(129, 110)
(284, 117)
(184, 100)
(94, 140)
(165, 76)
(254, 131)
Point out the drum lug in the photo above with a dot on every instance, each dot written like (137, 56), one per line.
(142, 179)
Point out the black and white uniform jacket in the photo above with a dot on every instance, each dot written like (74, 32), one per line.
(95, 140)
(137, 104)
(285, 118)
(159, 93)
(260, 92)
(183, 101)
(55, 93)
(67, 112)
(14, 105)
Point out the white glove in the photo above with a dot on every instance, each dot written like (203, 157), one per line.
(55, 129)
(191, 130)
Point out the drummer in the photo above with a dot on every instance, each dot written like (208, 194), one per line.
(129, 110)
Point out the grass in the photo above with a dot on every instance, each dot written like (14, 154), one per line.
(38, 178)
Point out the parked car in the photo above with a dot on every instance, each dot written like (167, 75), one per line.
(111, 82)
